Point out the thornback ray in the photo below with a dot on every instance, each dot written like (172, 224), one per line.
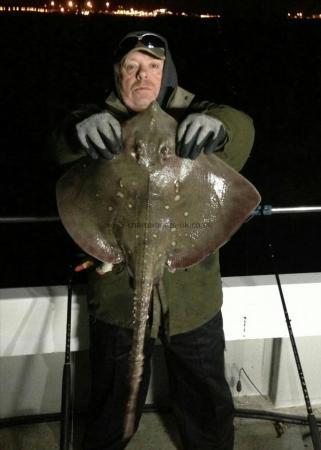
(154, 211)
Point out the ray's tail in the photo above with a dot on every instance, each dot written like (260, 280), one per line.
(136, 359)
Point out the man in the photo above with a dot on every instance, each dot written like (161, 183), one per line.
(186, 316)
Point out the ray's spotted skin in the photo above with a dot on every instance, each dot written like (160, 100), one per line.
(154, 211)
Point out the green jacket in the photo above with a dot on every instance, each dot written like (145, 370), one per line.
(188, 297)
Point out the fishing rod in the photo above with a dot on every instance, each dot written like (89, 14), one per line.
(66, 392)
(312, 422)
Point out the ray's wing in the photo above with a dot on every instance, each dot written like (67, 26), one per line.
(212, 203)
(94, 203)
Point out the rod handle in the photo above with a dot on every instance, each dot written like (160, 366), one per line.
(315, 433)
(66, 408)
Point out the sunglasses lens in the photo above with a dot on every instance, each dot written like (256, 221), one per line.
(152, 41)
(149, 40)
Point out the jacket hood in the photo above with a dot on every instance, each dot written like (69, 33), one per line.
(169, 79)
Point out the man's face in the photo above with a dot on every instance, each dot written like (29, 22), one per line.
(140, 78)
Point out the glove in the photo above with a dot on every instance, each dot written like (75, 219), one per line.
(197, 132)
(100, 135)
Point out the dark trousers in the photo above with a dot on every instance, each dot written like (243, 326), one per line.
(201, 398)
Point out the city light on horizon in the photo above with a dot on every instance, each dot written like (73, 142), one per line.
(88, 7)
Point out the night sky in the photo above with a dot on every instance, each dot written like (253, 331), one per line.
(52, 63)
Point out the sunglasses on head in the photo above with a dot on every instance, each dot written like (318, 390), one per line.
(149, 40)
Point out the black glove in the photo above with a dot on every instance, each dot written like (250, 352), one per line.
(197, 132)
(100, 135)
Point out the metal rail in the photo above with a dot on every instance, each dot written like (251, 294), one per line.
(28, 219)
(268, 210)
(262, 210)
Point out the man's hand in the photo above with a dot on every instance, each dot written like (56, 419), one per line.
(100, 135)
(197, 132)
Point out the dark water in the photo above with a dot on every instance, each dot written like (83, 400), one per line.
(271, 70)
